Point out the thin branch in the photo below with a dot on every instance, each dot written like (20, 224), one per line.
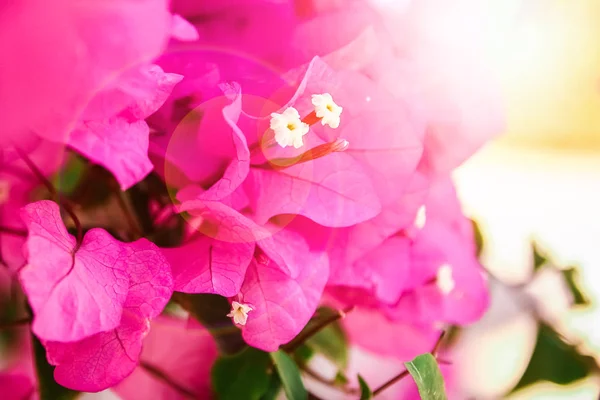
(131, 222)
(328, 382)
(436, 347)
(64, 203)
(15, 324)
(303, 337)
(161, 376)
(389, 383)
(405, 373)
(13, 231)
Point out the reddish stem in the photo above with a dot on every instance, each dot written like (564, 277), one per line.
(161, 376)
(131, 222)
(405, 373)
(63, 202)
(389, 383)
(13, 231)
(303, 337)
(15, 324)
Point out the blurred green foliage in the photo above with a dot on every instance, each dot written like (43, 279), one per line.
(555, 360)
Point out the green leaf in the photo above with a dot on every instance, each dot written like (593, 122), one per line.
(93, 188)
(48, 388)
(340, 379)
(428, 377)
(67, 179)
(571, 276)
(10, 310)
(555, 360)
(290, 376)
(274, 388)
(243, 376)
(539, 258)
(331, 342)
(365, 391)
(303, 354)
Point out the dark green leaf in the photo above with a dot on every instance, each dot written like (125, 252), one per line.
(94, 188)
(331, 342)
(571, 276)
(555, 360)
(479, 243)
(426, 374)
(243, 376)
(303, 354)
(539, 258)
(67, 179)
(10, 310)
(290, 376)
(365, 391)
(48, 388)
(340, 379)
(274, 388)
(211, 311)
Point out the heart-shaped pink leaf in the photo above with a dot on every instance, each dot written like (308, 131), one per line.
(102, 360)
(73, 294)
(78, 292)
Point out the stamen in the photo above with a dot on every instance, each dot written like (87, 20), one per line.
(288, 128)
(239, 312)
(327, 110)
(316, 152)
(311, 119)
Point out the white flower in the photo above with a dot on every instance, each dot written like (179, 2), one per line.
(421, 217)
(288, 128)
(444, 281)
(327, 110)
(4, 191)
(239, 312)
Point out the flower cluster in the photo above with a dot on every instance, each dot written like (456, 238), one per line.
(307, 145)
